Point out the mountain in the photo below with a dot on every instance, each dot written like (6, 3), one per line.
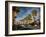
(27, 17)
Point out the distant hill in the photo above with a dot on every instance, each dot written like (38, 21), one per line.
(29, 17)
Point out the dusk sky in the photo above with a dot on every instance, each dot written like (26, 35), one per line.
(24, 11)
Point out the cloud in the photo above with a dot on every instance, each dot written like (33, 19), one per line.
(24, 13)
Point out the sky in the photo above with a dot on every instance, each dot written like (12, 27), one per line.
(24, 11)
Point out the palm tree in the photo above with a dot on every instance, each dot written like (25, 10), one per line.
(34, 13)
(15, 13)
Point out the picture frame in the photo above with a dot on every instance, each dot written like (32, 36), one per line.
(24, 8)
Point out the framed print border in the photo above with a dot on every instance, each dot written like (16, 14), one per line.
(6, 18)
